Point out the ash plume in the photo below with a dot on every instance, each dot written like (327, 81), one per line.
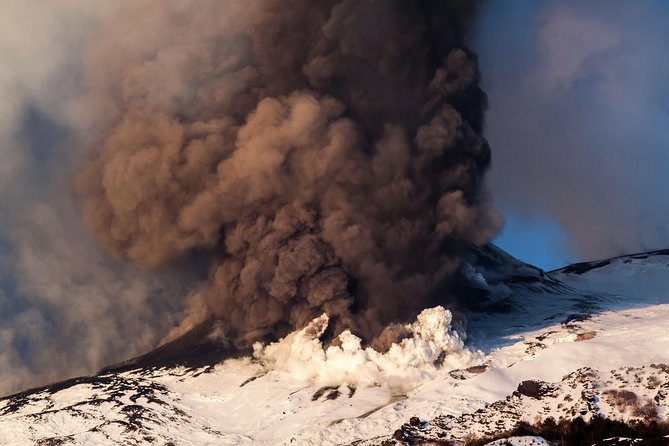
(324, 157)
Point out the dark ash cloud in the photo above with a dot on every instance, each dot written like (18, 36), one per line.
(325, 156)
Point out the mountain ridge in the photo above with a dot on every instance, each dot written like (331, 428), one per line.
(534, 326)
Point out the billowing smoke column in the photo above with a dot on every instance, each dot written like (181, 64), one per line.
(324, 156)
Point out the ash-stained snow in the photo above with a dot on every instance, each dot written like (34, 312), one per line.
(585, 342)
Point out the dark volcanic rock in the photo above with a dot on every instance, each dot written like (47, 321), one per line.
(535, 389)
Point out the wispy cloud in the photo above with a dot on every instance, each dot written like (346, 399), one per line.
(577, 118)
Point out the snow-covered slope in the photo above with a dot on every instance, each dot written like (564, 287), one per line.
(562, 344)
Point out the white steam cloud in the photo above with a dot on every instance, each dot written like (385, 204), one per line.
(431, 344)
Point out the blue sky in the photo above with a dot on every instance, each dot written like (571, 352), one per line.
(539, 241)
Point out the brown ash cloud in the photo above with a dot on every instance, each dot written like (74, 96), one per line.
(322, 156)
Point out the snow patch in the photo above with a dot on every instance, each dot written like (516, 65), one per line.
(433, 344)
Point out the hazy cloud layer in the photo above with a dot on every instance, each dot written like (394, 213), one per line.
(66, 307)
(578, 117)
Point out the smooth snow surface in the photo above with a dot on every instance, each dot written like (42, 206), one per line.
(297, 392)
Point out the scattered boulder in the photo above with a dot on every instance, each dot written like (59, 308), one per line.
(535, 389)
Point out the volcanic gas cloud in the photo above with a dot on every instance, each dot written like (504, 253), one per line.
(322, 156)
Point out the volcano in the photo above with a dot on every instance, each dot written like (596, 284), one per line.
(586, 341)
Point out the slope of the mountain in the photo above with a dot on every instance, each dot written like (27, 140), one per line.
(587, 340)
(200, 346)
(640, 279)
